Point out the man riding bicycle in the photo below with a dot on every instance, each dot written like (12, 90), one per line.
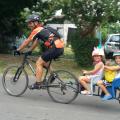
(51, 40)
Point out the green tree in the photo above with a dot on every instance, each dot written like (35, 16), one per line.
(9, 21)
(86, 14)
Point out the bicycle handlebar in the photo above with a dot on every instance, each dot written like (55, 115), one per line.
(28, 53)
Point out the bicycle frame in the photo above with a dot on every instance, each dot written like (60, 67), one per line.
(26, 62)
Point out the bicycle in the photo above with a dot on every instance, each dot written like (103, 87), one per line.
(62, 86)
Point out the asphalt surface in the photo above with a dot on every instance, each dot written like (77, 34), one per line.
(37, 105)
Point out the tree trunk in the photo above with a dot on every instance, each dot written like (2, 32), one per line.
(89, 31)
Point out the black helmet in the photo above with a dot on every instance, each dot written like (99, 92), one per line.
(33, 18)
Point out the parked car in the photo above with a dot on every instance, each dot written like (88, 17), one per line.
(111, 45)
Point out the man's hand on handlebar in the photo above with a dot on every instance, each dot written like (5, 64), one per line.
(16, 52)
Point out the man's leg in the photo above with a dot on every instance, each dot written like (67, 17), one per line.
(39, 72)
(46, 65)
(39, 69)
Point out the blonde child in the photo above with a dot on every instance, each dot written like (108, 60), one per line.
(109, 75)
(115, 69)
(96, 74)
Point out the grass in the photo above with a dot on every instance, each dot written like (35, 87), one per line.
(68, 53)
(66, 62)
(7, 60)
(2, 65)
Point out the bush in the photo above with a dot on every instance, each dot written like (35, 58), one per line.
(82, 48)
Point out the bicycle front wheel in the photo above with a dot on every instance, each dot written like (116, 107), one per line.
(62, 86)
(15, 80)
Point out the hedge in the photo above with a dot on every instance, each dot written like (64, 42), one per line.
(82, 48)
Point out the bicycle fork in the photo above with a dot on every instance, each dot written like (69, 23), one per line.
(17, 74)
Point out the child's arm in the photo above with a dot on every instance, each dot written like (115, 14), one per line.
(113, 68)
(96, 69)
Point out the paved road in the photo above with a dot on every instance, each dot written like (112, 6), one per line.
(37, 105)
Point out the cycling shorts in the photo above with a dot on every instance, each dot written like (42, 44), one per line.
(52, 53)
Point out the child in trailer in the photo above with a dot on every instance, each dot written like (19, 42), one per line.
(95, 74)
(115, 71)
(109, 75)
(116, 68)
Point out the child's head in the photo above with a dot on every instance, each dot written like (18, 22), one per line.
(97, 55)
(116, 55)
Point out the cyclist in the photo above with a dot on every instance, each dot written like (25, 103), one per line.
(53, 42)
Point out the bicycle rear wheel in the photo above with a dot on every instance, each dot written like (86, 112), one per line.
(62, 86)
(15, 80)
